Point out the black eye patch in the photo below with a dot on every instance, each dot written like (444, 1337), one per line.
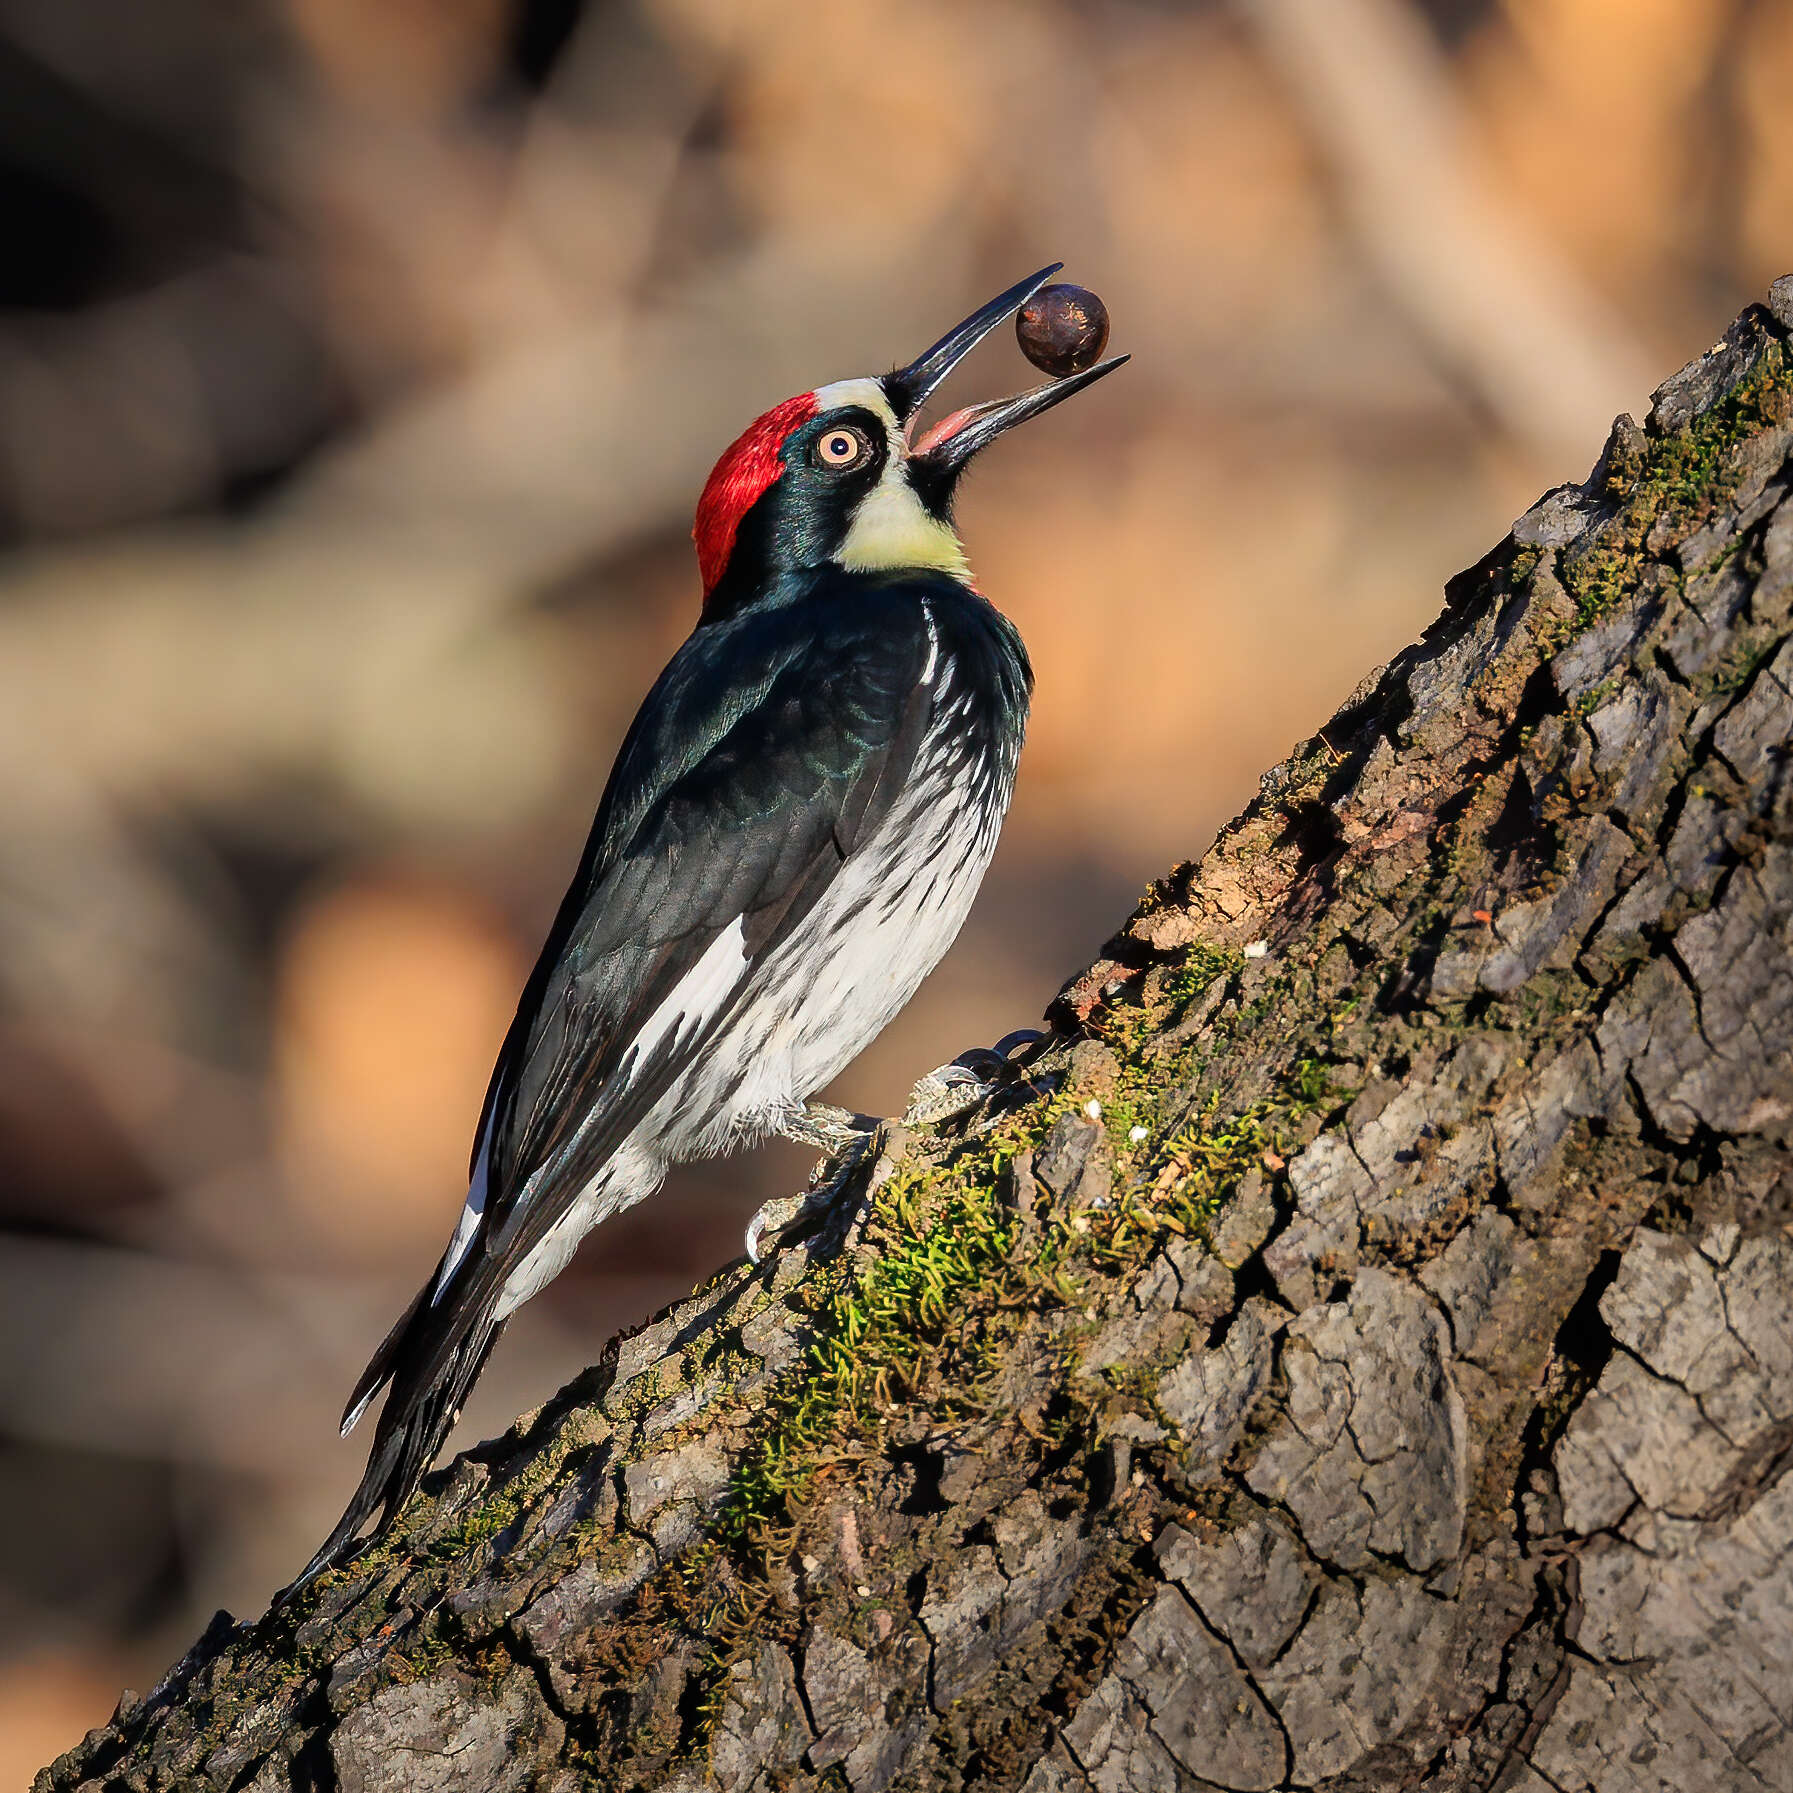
(845, 444)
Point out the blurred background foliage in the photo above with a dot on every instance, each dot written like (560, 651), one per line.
(359, 363)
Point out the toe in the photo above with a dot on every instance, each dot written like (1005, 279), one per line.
(953, 1088)
(788, 1214)
(946, 1091)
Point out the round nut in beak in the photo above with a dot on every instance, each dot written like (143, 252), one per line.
(1062, 329)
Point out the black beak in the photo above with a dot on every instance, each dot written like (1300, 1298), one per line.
(909, 388)
(936, 461)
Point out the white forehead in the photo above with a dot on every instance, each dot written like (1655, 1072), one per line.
(869, 393)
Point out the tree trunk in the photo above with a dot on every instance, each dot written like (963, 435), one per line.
(1359, 1355)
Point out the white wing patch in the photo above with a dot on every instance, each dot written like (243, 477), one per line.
(856, 959)
(694, 999)
(699, 993)
(467, 1227)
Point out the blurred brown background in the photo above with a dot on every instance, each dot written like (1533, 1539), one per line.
(359, 363)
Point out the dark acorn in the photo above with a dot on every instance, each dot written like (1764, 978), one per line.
(1062, 329)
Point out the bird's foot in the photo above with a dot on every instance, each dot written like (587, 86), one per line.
(846, 1137)
(784, 1214)
(967, 1080)
(828, 1128)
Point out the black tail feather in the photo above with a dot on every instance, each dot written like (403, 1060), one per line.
(382, 1364)
(419, 1414)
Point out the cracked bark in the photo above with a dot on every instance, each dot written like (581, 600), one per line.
(1387, 1383)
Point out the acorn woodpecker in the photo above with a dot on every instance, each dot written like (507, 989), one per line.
(791, 837)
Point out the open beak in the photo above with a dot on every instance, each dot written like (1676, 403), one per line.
(938, 457)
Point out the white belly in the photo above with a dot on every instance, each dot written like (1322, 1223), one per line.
(846, 971)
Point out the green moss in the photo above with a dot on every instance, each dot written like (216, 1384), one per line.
(1735, 670)
(1521, 567)
(1311, 1083)
(1598, 696)
(1681, 480)
(421, 1657)
(963, 1262)
(1201, 966)
(873, 1326)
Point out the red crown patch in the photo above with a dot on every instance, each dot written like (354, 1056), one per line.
(748, 466)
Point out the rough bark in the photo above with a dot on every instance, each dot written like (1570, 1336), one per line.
(1360, 1356)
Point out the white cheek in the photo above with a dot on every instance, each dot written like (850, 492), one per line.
(892, 528)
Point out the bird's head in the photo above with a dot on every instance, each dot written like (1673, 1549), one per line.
(842, 476)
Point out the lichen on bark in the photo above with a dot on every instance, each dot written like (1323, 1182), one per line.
(1356, 1355)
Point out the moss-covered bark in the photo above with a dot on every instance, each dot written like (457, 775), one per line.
(1357, 1356)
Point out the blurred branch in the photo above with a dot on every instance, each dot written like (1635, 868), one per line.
(314, 620)
(226, 1365)
(1508, 319)
(1720, 145)
(149, 404)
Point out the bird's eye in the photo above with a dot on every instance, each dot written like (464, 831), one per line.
(840, 448)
